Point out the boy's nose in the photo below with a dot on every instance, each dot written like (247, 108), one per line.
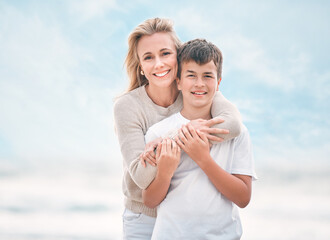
(199, 82)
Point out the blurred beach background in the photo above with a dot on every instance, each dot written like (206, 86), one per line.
(61, 66)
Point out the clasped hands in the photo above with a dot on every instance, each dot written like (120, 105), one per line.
(193, 138)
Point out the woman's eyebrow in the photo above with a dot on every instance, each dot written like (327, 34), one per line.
(147, 53)
(165, 49)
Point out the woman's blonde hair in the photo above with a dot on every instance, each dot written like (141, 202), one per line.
(132, 63)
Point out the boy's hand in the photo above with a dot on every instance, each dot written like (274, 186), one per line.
(168, 157)
(149, 154)
(193, 142)
(204, 126)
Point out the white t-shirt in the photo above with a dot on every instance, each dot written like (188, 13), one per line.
(193, 207)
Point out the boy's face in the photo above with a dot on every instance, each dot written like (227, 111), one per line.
(198, 84)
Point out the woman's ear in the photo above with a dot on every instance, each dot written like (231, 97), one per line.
(218, 84)
(178, 82)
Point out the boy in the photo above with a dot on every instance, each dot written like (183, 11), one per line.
(197, 193)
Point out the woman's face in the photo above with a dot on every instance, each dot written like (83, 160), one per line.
(157, 55)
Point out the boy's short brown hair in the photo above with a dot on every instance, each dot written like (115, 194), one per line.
(201, 52)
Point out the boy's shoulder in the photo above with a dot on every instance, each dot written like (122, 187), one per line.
(163, 127)
(243, 137)
(166, 124)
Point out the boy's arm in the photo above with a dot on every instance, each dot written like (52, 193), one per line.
(224, 109)
(236, 188)
(168, 158)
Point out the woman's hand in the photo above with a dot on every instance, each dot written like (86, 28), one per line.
(204, 126)
(193, 142)
(149, 153)
(168, 158)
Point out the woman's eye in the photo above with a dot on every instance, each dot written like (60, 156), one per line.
(147, 58)
(166, 53)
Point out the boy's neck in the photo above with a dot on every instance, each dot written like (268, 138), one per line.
(192, 114)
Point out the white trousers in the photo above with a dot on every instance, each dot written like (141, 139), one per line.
(137, 226)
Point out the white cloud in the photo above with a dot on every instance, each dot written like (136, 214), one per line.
(251, 110)
(88, 9)
(274, 151)
(51, 108)
(244, 52)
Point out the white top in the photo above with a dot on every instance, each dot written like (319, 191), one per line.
(193, 207)
(134, 113)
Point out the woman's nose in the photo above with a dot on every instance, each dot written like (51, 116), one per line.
(158, 62)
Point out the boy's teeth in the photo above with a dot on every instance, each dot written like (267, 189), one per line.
(161, 74)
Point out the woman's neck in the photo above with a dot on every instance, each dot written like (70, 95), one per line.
(163, 97)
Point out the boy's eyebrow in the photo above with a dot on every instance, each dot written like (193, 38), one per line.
(190, 71)
(211, 73)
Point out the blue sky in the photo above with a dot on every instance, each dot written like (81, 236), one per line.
(61, 65)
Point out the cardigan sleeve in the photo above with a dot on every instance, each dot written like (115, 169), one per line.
(129, 130)
(227, 111)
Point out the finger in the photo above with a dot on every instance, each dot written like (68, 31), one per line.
(173, 144)
(168, 145)
(214, 138)
(158, 150)
(186, 132)
(216, 131)
(178, 152)
(164, 146)
(192, 131)
(152, 153)
(214, 121)
(150, 160)
(177, 148)
(202, 136)
(180, 144)
(182, 137)
(142, 160)
(151, 156)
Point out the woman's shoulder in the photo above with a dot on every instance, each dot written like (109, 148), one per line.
(130, 102)
(130, 97)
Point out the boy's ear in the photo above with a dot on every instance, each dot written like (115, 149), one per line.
(218, 84)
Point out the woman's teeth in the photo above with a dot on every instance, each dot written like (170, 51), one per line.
(161, 74)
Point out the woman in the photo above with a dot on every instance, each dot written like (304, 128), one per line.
(152, 95)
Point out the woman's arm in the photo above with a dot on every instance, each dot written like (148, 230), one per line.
(224, 109)
(129, 129)
(225, 124)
